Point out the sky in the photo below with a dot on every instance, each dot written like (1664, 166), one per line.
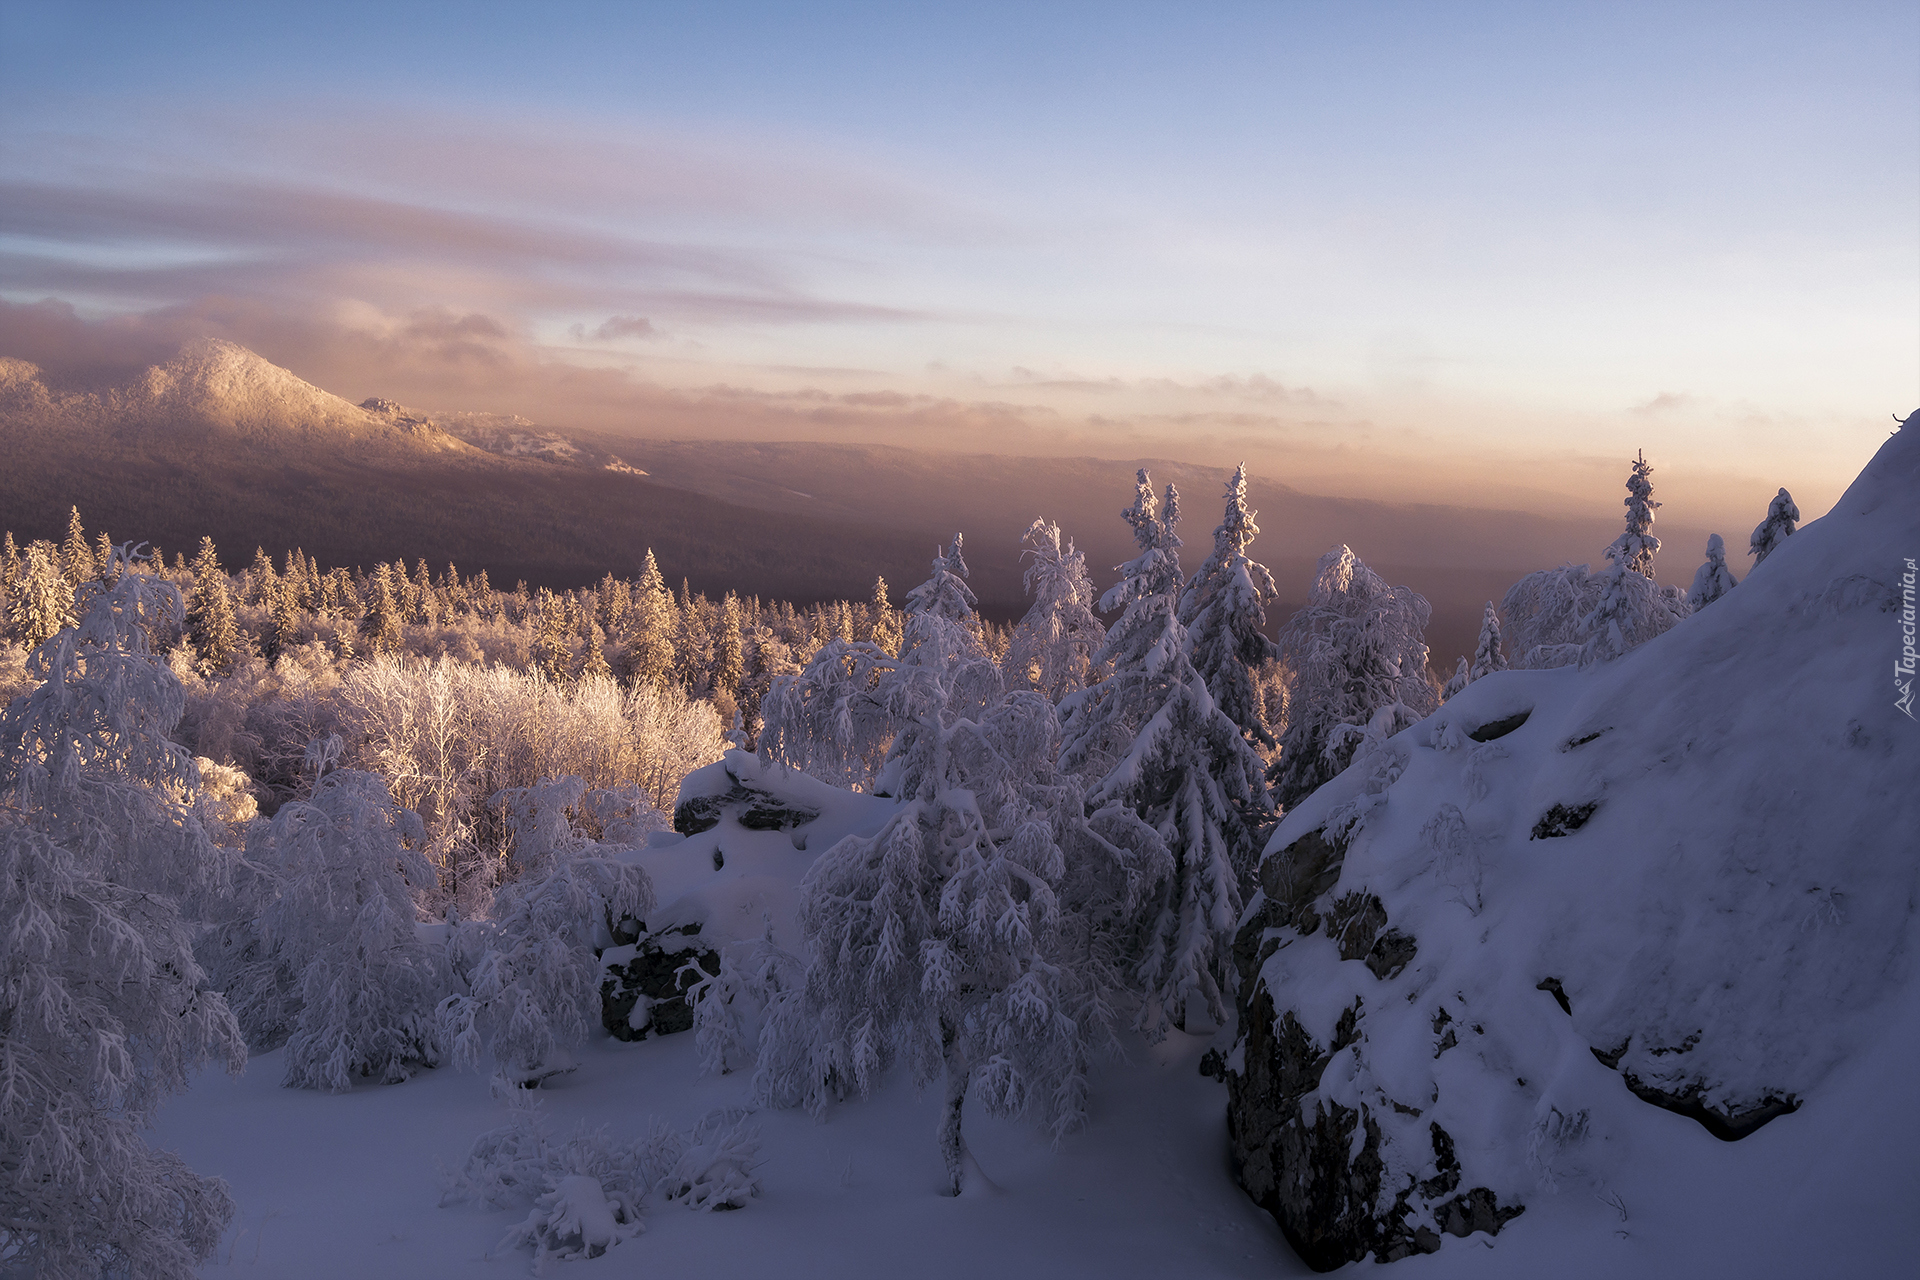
(1465, 252)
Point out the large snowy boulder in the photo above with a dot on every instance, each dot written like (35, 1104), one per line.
(1682, 879)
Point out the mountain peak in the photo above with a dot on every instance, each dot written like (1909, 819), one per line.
(227, 385)
(215, 385)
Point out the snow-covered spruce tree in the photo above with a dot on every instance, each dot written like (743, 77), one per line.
(1636, 547)
(1782, 516)
(210, 624)
(76, 557)
(593, 662)
(963, 939)
(1462, 676)
(531, 968)
(1629, 608)
(729, 659)
(1224, 609)
(1052, 649)
(1488, 656)
(1359, 664)
(885, 620)
(339, 939)
(104, 1011)
(41, 601)
(944, 673)
(552, 651)
(1712, 579)
(282, 630)
(1166, 756)
(259, 581)
(104, 558)
(381, 623)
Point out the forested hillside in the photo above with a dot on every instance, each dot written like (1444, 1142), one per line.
(219, 442)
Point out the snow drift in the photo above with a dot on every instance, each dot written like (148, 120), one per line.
(1681, 879)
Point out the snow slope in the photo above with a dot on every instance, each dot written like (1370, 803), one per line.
(1731, 929)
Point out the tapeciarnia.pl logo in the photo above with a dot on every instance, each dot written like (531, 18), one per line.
(1903, 666)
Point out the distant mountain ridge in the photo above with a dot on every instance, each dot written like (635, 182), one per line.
(218, 440)
(221, 388)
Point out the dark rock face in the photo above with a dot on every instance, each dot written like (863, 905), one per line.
(1562, 820)
(1323, 1176)
(1324, 1194)
(751, 807)
(1499, 728)
(1729, 1124)
(646, 974)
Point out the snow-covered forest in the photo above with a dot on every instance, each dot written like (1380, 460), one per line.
(604, 854)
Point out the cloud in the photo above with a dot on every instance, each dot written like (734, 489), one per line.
(1665, 402)
(173, 243)
(617, 327)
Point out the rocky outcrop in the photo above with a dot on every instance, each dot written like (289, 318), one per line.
(737, 794)
(644, 992)
(1317, 1161)
(1682, 878)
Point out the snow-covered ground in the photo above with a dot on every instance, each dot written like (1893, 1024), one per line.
(1736, 911)
(336, 1186)
(349, 1185)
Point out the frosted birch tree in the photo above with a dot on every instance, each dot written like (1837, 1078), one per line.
(104, 1010)
(532, 971)
(830, 719)
(963, 940)
(338, 943)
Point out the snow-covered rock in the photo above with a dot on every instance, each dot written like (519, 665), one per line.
(1684, 877)
(644, 992)
(746, 833)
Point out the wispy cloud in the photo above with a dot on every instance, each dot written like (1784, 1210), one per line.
(1665, 402)
(174, 243)
(616, 327)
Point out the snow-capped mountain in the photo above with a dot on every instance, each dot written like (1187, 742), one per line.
(220, 388)
(218, 441)
(1632, 941)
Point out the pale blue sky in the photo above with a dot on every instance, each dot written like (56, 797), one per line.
(1532, 235)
